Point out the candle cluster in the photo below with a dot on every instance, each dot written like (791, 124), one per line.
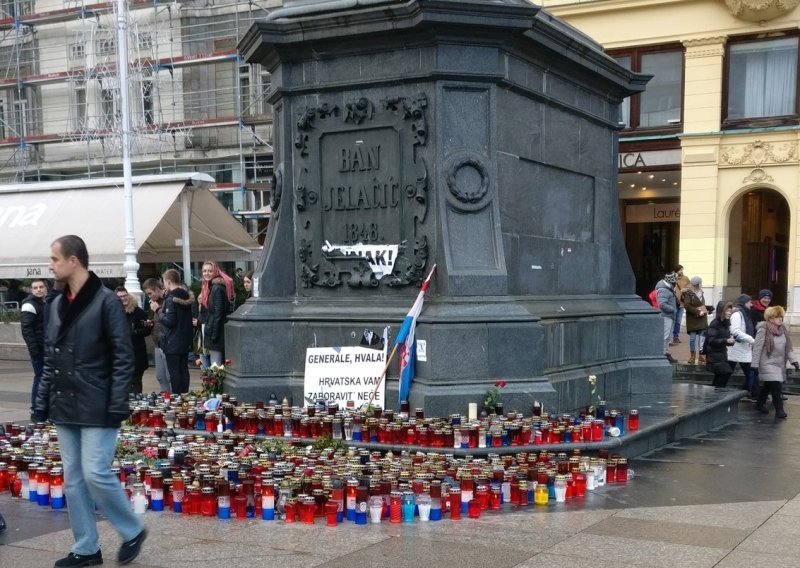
(382, 426)
(237, 475)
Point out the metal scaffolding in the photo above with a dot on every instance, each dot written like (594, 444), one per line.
(194, 103)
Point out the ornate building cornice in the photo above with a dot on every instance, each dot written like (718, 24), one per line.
(705, 47)
(760, 10)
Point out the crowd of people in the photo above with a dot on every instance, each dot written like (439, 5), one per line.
(180, 326)
(747, 333)
(88, 352)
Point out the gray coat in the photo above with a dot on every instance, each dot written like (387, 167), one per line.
(667, 302)
(771, 367)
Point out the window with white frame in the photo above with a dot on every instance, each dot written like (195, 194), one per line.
(77, 104)
(109, 111)
(144, 40)
(105, 46)
(77, 51)
(762, 79)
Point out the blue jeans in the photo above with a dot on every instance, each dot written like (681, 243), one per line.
(676, 331)
(700, 337)
(88, 481)
(38, 366)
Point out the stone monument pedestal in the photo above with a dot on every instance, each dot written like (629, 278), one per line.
(478, 136)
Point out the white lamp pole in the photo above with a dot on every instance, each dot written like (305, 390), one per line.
(131, 265)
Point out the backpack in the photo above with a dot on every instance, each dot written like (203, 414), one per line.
(653, 297)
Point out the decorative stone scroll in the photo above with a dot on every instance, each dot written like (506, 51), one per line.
(361, 184)
(760, 10)
(759, 153)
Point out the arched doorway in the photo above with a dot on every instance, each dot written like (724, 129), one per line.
(758, 244)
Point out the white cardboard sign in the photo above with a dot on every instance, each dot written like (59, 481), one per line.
(340, 374)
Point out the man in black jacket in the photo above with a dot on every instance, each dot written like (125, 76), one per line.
(88, 368)
(32, 323)
(176, 331)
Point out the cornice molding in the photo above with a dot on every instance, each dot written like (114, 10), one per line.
(705, 47)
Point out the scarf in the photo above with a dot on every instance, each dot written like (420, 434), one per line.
(769, 339)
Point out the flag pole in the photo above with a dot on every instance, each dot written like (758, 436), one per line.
(394, 349)
(383, 374)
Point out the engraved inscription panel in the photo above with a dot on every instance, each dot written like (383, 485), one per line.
(361, 192)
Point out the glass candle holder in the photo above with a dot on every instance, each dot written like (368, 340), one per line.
(474, 509)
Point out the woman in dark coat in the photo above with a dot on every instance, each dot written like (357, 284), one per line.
(718, 337)
(215, 296)
(140, 328)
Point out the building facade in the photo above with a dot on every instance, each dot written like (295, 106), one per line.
(194, 104)
(709, 170)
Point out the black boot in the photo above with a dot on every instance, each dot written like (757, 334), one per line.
(777, 401)
(762, 398)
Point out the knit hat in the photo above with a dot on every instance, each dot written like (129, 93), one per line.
(671, 278)
(696, 281)
(765, 294)
(743, 299)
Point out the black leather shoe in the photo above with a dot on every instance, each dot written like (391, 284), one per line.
(780, 414)
(2, 524)
(73, 560)
(762, 409)
(130, 549)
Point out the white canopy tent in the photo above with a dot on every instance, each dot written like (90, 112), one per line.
(175, 216)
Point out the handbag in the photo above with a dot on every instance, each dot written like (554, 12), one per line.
(198, 343)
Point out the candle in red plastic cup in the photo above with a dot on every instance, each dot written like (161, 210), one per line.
(633, 420)
(474, 509)
(331, 510)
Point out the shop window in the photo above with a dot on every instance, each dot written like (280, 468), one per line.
(762, 82)
(660, 105)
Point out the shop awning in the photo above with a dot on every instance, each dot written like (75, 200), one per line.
(32, 215)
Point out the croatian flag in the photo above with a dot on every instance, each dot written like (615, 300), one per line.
(405, 339)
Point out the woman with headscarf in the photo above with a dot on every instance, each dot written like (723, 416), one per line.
(718, 339)
(216, 294)
(771, 351)
(696, 318)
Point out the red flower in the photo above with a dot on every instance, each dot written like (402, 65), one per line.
(500, 384)
(228, 362)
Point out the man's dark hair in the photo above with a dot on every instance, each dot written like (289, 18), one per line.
(172, 275)
(121, 289)
(73, 245)
(42, 280)
(152, 283)
(678, 268)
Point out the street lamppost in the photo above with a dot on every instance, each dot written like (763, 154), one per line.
(131, 265)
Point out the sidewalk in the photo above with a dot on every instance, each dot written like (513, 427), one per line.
(726, 498)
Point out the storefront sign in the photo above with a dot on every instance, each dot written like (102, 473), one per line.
(653, 213)
(340, 374)
(629, 160)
